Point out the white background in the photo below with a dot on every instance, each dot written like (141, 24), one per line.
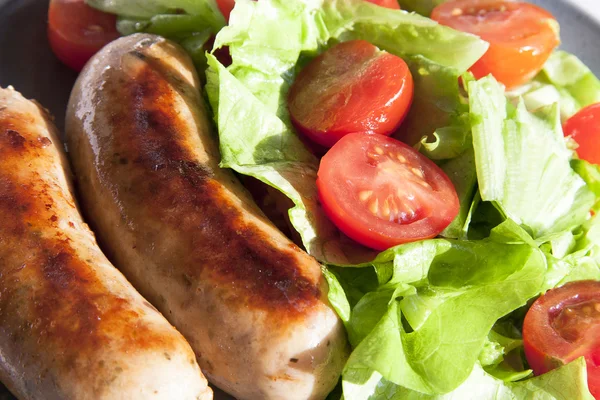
(592, 7)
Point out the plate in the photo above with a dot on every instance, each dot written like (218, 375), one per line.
(27, 63)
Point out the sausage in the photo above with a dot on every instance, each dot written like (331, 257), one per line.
(186, 233)
(71, 325)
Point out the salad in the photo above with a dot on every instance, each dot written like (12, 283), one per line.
(438, 240)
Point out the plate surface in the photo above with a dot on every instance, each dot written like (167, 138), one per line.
(27, 63)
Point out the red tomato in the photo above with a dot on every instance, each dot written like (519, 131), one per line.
(386, 3)
(226, 6)
(352, 87)
(563, 325)
(521, 36)
(584, 128)
(76, 31)
(381, 192)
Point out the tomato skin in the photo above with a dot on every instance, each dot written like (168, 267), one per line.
(226, 6)
(351, 87)
(584, 128)
(77, 31)
(550, 343)
(393, 4)
(381, 192)
(522, 36)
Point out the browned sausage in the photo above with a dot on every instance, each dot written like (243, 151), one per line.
(71, 326)
(252, 304)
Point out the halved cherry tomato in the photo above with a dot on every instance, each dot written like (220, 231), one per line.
(393, 4)
(226, 6)
(77, 31)
(352, 87)
(521, 36)
(381, 192)
(584, 128)
(563, 325)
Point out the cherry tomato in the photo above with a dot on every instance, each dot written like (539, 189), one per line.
(381, 192)
(521, 36)
(226, 6)
(386, 3)
(77, 31)
(584, 128)
(352, 87)
(563, 325)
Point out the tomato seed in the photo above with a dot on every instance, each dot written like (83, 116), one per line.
(94, 29)
(417, 172)
(365, 195)
(386, 209)
(374, 207)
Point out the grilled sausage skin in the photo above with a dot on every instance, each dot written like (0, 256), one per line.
(71, 326)
(187, 235)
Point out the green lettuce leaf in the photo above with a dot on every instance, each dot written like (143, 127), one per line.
(449, 141)
(437, 309)
(564, 80)
(523, 163)
(580, 260)
(461, 171)
(590, 173)
(571, 256)
(568, 382)
(249, 97)
(146, 9)
(191, 23)
(423, 7)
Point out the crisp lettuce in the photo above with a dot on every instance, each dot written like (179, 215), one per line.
(523, 164)
(423, 7)
(564, 80)
(191, 23)
(590, 173)
(462, 173)
(269, 41)
(146, 9)
(435, 305)
(568, 382)
(436, 310)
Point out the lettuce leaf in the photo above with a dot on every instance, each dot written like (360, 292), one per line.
(523, 164)
(409, 327)
(590, 173)
(436, 310)
(146, 9)
(269, 42)
(462, 173)
(568, 382)
(564, 80)
(423, 7)
(191, 23)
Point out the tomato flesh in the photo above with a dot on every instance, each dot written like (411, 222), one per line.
(584, 129)
(521, 36)
(381, 192)
(352, 87)
(226, 6)
(77, 31)
(393, 4)
(563, 325)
